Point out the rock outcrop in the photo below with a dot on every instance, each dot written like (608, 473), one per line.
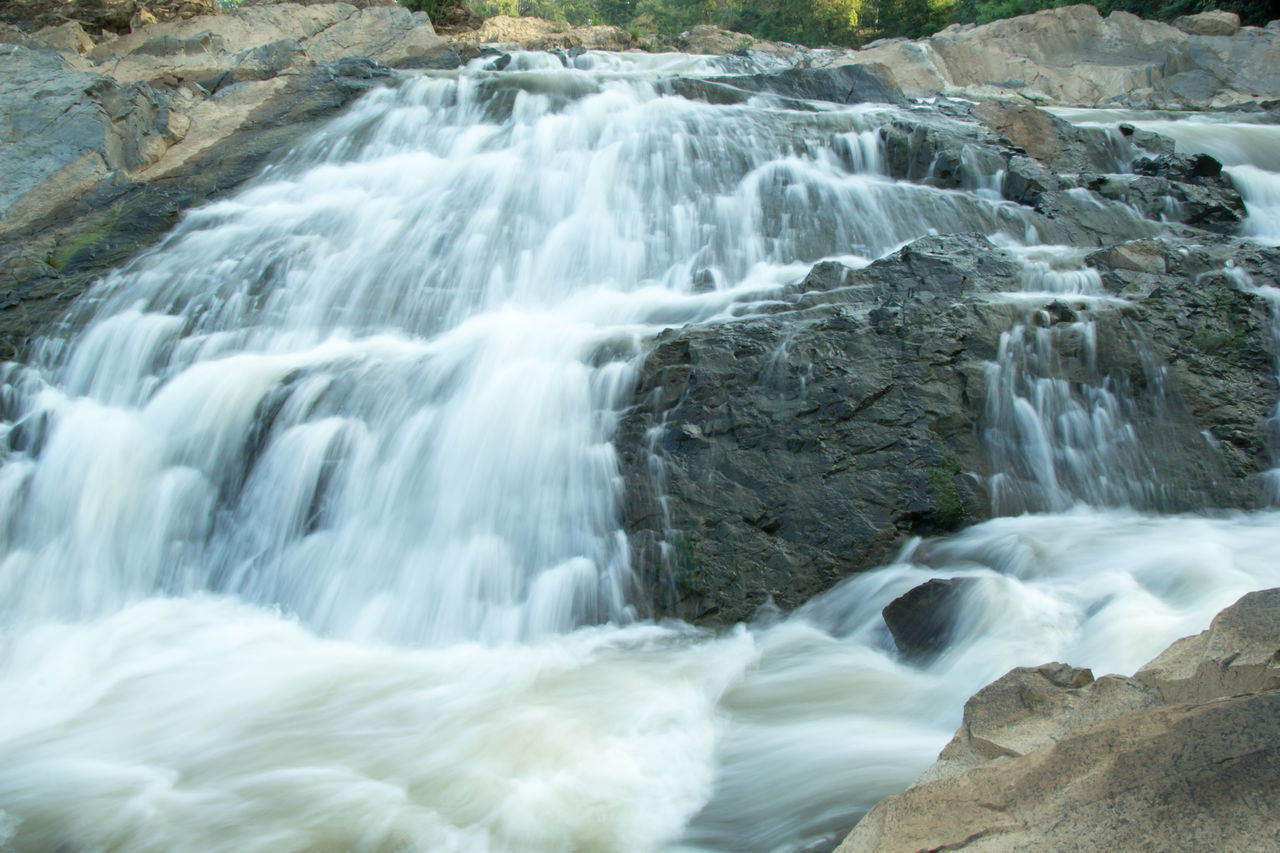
(770, 456)
(105, 16)
(540, 34)
(1185, 755)
(113, 134)
(1073, 55)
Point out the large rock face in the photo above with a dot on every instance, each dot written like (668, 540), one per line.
(1073, 55)
(1183, 756)
(770, 456)
(802, 446)
(98, 208)
(110, 16)
(80, 127)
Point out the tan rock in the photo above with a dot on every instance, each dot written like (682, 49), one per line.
(246, 29)
(1180, 778)
(706, 39)
(387, 34)
(1026, 126)
(203, 48)
(1212, 23)
(1143, 256)
(1032, 708)
(1073, 55)
(359, 4)
(142, 18)
(210, 121)
(1239, 653)
(1183, 756)
(71, 183)
(604, 38)
(70, 37)
(541, 34)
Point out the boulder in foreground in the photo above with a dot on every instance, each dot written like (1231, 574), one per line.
(1183, 756)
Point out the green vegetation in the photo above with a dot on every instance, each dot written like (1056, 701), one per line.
(942, 482)
(96, 230)
(819, 22)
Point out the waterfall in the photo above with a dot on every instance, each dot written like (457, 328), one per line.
(1248, 149)
(309, 531)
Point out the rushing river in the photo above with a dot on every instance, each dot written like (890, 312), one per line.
(310, 536)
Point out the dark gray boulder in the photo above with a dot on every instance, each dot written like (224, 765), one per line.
(768, 457)
(844, 84)
(923, 619)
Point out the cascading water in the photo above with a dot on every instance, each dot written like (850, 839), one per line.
(310, 534)
(1059, 429)
(1248, 149)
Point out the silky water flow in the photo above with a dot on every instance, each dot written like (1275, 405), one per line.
(310, 534)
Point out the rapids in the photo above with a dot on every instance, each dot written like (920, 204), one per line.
(309, 533)
(1248, 149)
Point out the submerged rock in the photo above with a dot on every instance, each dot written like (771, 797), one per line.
(1183, 756)
(923, 619)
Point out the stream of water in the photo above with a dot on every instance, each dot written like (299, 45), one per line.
(309, 538)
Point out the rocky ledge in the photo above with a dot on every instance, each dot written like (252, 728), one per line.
(1073, 55)
(122, 113)
(769, 456)
(1183, 755)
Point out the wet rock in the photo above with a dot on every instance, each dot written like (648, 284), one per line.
(923, 619)
(1213, 336)
(1185, 755)
(1026, 180)
(939, 156)
(1215, 206)
(1144, 256)
(1198, 168)
(1080, 218)
(797, 448)
(769, 456)
(849, 84)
